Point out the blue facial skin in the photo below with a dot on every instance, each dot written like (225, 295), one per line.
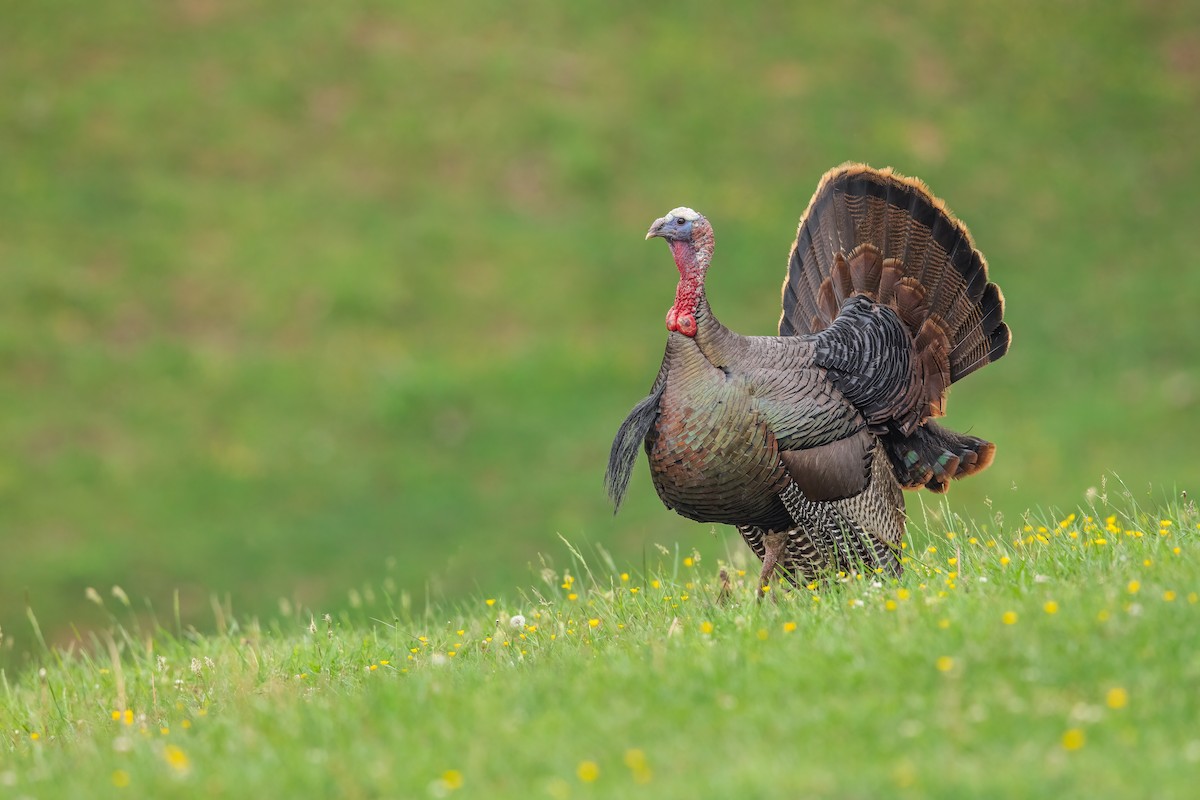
(669, 228)
(680, 228)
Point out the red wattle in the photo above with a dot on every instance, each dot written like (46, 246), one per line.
(682, 316)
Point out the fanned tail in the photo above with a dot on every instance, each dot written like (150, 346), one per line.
(880, 234)
(875, 233)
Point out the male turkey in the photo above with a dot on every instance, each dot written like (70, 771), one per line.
(805, 440)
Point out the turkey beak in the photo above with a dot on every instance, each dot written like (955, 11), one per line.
(657, 228)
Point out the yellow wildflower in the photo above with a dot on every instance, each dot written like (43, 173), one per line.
(1116, 697)
(635, 759)
(1134, 587)
(572, 596)
(624, 577)
(1073, 739)
(944, 664)
(1005, 561)
(588, 771)
(1051, 607)
(706, 627)
(902, 594)
(788, 627)
(453, 779)
(593, 623)
(176, 758)
(491, 601)
(120, 778)
(1009, 618)
(687, 562)
(1169, 596)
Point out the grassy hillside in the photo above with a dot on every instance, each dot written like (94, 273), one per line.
(297, 299)
(1058, 663)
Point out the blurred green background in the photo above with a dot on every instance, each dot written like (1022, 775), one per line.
(300, 298)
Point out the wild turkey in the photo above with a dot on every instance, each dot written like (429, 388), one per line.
(805, 440)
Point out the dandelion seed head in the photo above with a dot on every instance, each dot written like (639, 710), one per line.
(516, 621)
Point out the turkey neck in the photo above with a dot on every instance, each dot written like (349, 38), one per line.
(701, 334)
(692, 262)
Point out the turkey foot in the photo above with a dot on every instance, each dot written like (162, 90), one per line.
(773, 544)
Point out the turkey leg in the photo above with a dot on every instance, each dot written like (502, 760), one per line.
(773, 545)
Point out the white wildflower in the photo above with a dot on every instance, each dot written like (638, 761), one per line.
(516, 621)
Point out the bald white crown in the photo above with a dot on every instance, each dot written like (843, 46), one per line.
(685, 212)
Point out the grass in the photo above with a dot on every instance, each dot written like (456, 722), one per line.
(1044, 657)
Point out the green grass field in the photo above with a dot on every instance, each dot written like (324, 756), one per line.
(299, 303)
(1058, 663)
